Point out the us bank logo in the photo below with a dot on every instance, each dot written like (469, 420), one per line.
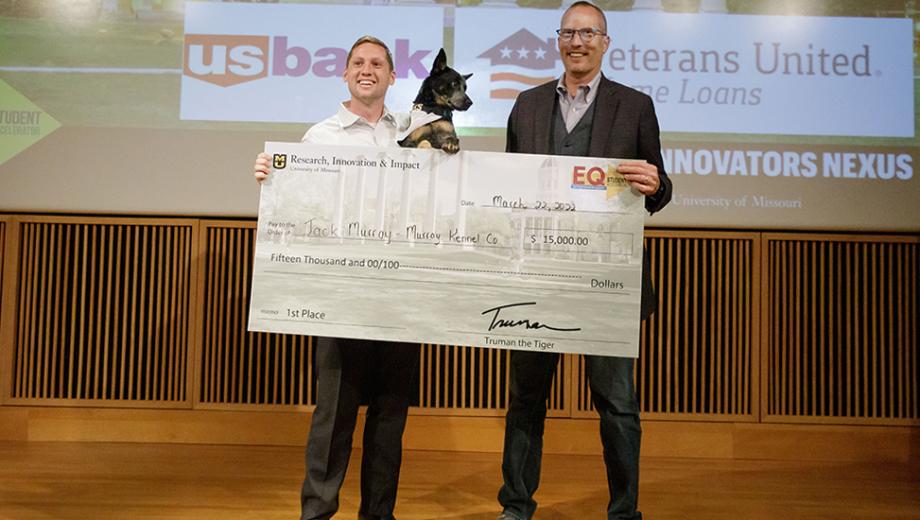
(518, 62)
(227, 60)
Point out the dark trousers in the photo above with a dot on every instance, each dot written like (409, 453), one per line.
(345, 368)
(614, 397)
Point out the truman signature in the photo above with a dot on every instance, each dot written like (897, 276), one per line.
(497, 322)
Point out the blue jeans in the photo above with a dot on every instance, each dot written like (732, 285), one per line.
(614, 396)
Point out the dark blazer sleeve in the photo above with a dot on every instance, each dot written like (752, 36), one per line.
(649, 142)
(511, 133)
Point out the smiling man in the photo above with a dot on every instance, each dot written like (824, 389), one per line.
(349, 369)
(583, 114)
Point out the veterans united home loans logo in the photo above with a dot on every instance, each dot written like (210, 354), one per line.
(226, 60)
(522, 58)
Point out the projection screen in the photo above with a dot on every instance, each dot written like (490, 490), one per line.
(774, 115)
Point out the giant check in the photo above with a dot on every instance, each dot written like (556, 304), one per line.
(515, 251)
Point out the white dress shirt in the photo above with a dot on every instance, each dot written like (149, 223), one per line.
(348, 128)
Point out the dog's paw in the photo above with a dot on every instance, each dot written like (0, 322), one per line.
(451, 146)
(423, 144)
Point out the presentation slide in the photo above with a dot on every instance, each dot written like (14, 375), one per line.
(772, 115)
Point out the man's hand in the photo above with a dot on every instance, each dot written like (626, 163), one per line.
(263, 167)
(641, 175)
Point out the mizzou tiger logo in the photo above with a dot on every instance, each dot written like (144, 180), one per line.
(279, 161)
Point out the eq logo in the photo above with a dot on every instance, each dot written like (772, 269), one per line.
(594, 178)
(226, 60)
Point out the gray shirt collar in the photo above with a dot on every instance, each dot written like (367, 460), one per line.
(573, 109)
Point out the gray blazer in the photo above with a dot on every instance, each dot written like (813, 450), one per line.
(625, 127)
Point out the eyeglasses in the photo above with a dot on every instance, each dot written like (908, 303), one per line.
(585, 34)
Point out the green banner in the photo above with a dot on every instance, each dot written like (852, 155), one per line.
(22, 123)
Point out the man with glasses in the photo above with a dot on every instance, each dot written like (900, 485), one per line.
(583, 114)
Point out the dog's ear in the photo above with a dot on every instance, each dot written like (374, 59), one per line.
(440, 62)
(467, 76)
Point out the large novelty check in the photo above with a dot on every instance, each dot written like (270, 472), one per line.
(485, 249)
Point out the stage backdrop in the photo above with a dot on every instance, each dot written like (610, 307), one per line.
(803, 119)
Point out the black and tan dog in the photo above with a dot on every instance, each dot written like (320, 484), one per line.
(442, 92)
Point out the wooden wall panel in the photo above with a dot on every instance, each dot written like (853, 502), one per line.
(474, 381)
(3, 225)
(750, 326)
(8, 270)
(841, 345)
(237, 368)
(101, 311)
(697, 352)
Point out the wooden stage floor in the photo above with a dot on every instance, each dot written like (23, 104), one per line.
(96, 481)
